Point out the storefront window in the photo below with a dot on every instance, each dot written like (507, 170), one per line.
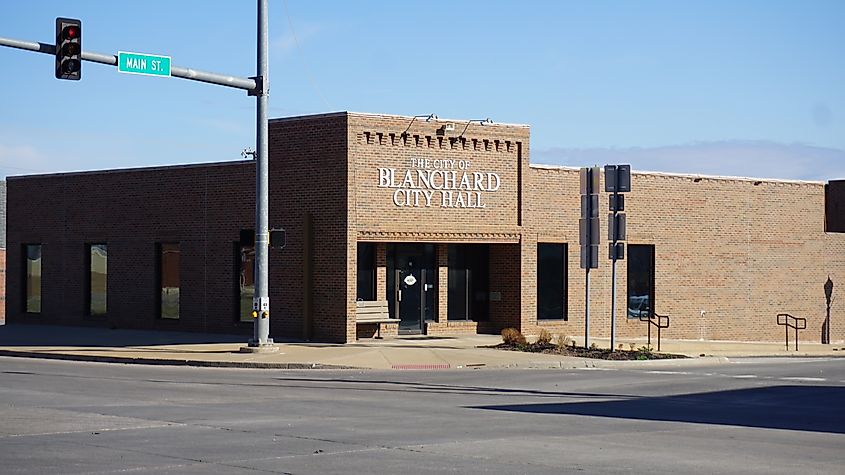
(366, 271)
(640, 280)
(97, 279)
(468, 282)
(169, 255)
(33, 278)
(551, 282)
(246, 281)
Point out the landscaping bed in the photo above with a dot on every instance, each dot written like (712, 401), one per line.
(514, 341)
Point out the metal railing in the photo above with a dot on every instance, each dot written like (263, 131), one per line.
(659, 321)
(787, 321)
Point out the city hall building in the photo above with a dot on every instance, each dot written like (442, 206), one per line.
(447, 223)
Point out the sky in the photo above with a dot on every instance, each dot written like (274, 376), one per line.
(742, 88)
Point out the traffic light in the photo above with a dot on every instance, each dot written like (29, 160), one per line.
(68, 49)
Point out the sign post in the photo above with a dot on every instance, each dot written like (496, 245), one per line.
(589, 236)
(617, 179)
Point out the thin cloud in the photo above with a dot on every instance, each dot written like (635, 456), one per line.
(749, 158)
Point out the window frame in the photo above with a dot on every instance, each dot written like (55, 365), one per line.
(26, 278)
(564, 277)
(89, 288)
(237, 264)
(160, 314)
(652, 285)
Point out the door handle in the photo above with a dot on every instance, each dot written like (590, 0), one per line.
(400, 296)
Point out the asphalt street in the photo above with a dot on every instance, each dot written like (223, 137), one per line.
(766, 415)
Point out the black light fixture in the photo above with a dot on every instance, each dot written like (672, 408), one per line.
(428, 118)
(486, 121)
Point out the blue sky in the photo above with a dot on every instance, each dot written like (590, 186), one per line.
(751, 88)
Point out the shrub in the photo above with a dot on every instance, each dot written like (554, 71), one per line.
(512, 336)
(562, 341)
(544, 338)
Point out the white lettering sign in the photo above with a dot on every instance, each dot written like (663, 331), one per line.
(439, 182)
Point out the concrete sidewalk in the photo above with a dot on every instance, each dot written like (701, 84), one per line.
(414, 352)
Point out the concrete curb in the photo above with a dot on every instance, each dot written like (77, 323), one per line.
(171, 362)
(579, 363)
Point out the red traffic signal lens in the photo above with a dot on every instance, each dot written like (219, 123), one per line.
(70, 66)
(70, 32)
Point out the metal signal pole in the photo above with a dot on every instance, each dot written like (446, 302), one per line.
(261, 301)
(256, 86)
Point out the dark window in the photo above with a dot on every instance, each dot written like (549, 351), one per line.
(32, 286)
(834, 206)
(98, 260)
(469, 289)
(551, 281)
(245, 265)
(366, 271)
(168, 255)
(640, 280)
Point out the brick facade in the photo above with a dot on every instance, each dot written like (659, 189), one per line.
(738, 250)
(2, 286)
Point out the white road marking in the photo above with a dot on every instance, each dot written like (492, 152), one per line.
(745, 376)
(796, 378)
(668, 372)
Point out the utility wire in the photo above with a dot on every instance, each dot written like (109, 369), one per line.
(304, 63)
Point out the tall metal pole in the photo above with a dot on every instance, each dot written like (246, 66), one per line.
(613, 301)
(587, 311)
(614, 227)
(261, 301)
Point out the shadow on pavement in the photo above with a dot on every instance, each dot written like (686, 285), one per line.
(804, 408)
(437, 388)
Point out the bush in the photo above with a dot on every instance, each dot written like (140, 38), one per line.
(562, 341)
(512, 336)
(544, 338)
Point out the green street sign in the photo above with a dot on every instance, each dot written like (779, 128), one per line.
(138, 63)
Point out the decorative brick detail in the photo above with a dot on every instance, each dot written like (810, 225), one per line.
(398, 236)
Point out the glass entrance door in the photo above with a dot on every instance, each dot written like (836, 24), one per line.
(413, 288)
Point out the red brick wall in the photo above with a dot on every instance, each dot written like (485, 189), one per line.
(308, 180)
(201, 207)
(377, 141)
(2, 286)
(739, 251)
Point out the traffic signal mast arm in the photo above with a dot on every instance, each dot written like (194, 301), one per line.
(247, 84)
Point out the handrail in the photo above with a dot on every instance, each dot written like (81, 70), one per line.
(796, 323)
(660, 321)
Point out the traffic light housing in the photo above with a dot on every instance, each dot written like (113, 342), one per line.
(68, 49)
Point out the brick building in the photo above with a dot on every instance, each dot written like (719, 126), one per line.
(2, 252)
(446, 221)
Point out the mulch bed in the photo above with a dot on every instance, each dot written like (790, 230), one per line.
(597, 353)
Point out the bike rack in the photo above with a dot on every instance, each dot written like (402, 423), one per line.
(660, 321)
(788, 321)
